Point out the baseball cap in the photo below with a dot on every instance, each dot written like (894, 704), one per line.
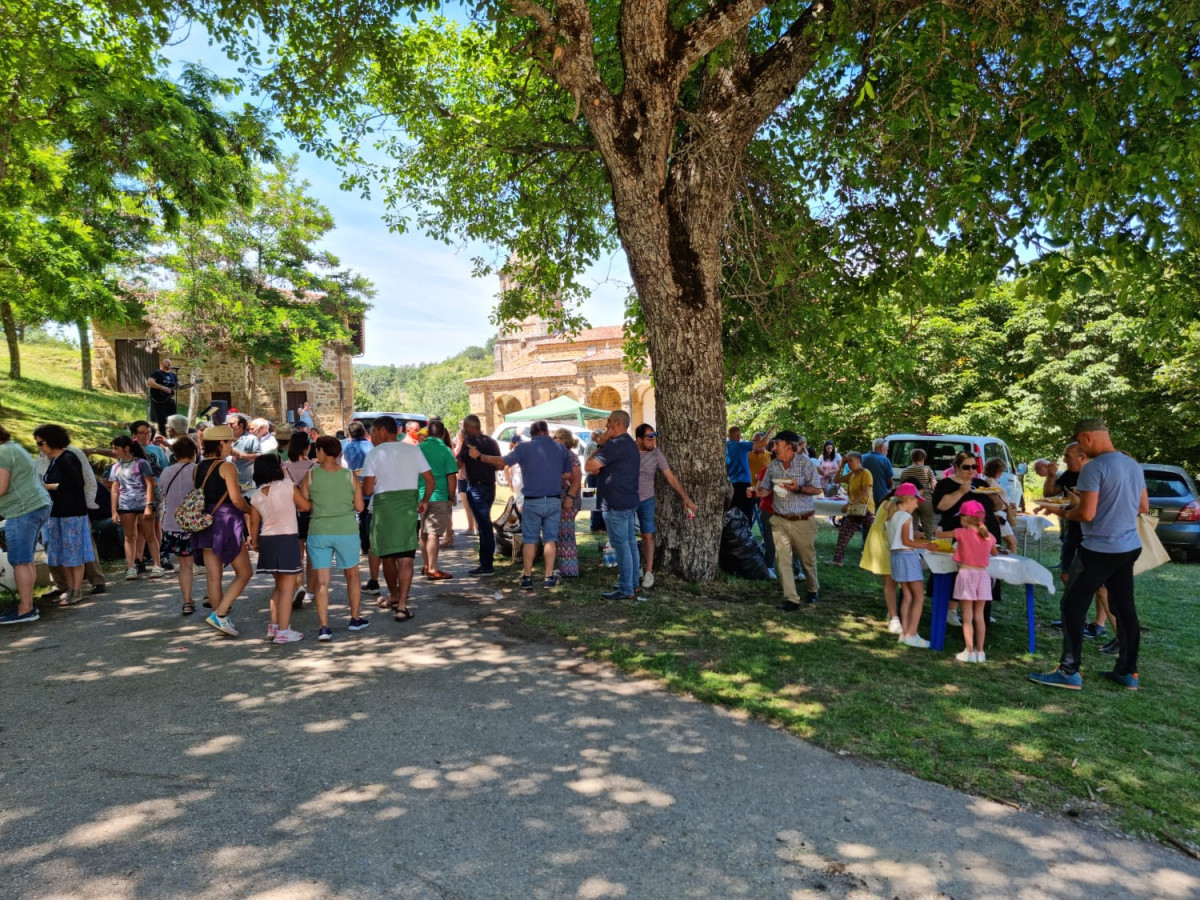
(972, 508)
(1088, 425)
(908, 489)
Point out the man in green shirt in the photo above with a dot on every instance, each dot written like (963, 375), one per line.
(444, 467)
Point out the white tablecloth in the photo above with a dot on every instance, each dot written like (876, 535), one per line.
(1032, 525)
(1009, 569)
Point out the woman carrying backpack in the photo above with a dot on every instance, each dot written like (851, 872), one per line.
(225, 538)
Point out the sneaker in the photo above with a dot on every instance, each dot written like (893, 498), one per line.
(953, 619)
(288, 636)
(980, 657)
(371, 587)
(894, 626)
(481, 572)
(551, 581)
(358, 624)
(156, 571)
(272, 630)
(12, 617)
(615, 595)
(131, 574)
(917, 642)
(648, 580)
(527, 582)
(1060, 678)
(1129, 682)
(1112, 648)
(789, 606)
(140, 566)
(99, 589)
(224, 624)
(965, 656)
(991, 620)
(207, 603)
(308, 596)
(325, 634)
(1093, 630)
(298, 600)
(771, 574)
(167, 565)
(1057, 623)
(814, 597)
(54, 594)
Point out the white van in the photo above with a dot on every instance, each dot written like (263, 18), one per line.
(504, 432)
(940, 450)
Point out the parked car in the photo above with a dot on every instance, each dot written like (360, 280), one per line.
(504, 432)
(940, 450)
(1175, 503)
(401, 418)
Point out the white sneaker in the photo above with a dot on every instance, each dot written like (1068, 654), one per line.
(308, 597)
(648, 580)
(272, 630)
(157, 571)
(131, 574)
(894, 626)
(980, 657)
(965, 656)
(953, 619)
(917, 641)
(288, 636)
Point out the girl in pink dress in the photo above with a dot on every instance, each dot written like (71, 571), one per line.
(974, 545)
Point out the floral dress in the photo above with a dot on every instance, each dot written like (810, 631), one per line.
(566, 551)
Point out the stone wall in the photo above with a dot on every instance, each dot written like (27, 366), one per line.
(333, 401)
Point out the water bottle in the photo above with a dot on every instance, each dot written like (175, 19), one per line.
(610, 556)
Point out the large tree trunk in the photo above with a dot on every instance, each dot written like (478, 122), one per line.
(85, 353)
(10, 335)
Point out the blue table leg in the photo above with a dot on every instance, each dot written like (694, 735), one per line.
(1029, 616)
(943, 586)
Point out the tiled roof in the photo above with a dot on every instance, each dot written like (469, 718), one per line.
(611, 355)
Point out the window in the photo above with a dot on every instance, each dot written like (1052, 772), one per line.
(1163, 485)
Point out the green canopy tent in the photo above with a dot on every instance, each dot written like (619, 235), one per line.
(559, 409)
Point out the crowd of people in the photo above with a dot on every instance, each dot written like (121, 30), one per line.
(776, 479)
(307, 503)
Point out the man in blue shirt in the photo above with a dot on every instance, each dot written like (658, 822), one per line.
(357, 448)
(1112, 493)
(544, 462)
(737, 467)
(880, 467)
(621, 462)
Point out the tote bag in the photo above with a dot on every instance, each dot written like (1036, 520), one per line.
(1153, 552)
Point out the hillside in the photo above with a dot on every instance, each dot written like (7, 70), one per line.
(50, 392)
(431, 388)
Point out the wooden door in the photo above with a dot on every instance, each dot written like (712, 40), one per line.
(295, 399)
(136, 362)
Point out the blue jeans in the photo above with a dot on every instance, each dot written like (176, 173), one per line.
(480, 497)
(540, 519)
(622, 534)
(22, 533)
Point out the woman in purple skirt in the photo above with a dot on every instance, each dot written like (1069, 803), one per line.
(224, 542)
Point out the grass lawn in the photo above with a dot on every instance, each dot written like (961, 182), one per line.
(50, 392)
(833, 675)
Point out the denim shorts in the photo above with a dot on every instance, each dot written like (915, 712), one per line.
(540, 519)
(22, 534)
(645, 516)
(322, 548)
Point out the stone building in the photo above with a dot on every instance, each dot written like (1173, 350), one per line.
(124, 355)
(533, 366)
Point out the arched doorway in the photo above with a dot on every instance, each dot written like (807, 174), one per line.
(605, 397)
(506, 404)
(643, 405)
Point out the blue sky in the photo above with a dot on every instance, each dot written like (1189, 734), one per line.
(428, 305)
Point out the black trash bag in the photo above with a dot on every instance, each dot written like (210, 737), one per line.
(740, 554)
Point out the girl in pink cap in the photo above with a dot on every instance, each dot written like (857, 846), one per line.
(974, 544)
(906, 563)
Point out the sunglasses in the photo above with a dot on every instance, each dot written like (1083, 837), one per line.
(652, 434)
(969, 468)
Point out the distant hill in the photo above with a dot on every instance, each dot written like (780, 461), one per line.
(430, 388)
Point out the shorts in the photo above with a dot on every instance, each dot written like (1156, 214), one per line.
(178, 543)
(437, 517)
(972, 584)
(906, 566)
(645, 516)
(68, 541)
(280, 554)
(462, 490)
(21, 533)
(302, 521)
(322, 548)
(540, 519)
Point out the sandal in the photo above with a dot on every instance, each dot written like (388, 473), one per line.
(385, 603)
(188, 608)
(64, 600)
(75, 597)
(403, 615)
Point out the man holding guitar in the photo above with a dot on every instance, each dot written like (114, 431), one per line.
(163, 383)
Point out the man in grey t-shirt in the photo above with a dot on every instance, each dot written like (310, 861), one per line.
(246, 448)
(1112, 493)
(653, 462)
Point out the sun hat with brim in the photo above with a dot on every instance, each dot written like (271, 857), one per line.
(218, 433)
(972, 508)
